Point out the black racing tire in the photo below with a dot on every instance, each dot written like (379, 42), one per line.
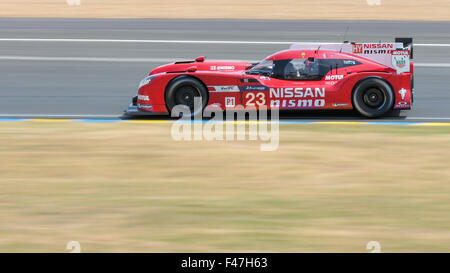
(373, 97)
(182, 91)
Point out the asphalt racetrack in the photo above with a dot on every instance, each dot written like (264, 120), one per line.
(90, 67)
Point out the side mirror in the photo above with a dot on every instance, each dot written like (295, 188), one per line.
(200, 59)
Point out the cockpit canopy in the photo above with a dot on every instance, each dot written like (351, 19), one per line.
(297, 66)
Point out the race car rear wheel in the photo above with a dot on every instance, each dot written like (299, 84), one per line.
(373, 97)
(183, 91)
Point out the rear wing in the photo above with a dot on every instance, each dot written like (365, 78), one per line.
(407, 43)
(396, 55)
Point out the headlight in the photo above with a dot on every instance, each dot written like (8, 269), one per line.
(146, 80)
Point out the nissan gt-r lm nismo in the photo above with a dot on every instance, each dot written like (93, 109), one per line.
(373, 78)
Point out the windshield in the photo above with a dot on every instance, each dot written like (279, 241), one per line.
(264, 68)
(290, 69)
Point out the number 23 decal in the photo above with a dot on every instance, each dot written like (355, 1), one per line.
(259, 99)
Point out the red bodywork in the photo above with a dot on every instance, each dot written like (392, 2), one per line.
(228, 84)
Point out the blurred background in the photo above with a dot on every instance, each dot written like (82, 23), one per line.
(126, 186)
(433, 10)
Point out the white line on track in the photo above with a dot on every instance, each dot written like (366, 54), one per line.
(150, 41)
(89, 59)
(432, 65)
(433, 45)
(181, 41)
(425, 118)
(144, 60)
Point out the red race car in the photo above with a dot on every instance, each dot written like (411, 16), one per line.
(373, 78)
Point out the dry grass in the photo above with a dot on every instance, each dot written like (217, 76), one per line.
(258, 9)
(130, 187)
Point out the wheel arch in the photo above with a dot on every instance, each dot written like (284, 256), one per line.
(366, 78)
(181, 77)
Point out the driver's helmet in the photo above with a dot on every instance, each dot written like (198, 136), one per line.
(312, 67)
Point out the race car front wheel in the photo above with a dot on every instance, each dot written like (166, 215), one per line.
(184, 92)
(373, 97)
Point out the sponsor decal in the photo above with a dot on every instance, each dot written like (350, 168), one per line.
(230, 102)
(303, 55)
(142, 97)
(249, 80)
(297, 92)
(264, 78)
(400, 60)
(402, 93)
(340, 104)
(222, 67)
(373, 48)
(144, 106)
(349, 62)
(402, 105)
(357, 48)
(297, 103)
(225, 88)
(254, 88)
(311, 97)
(334, 77)
(288, 98)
